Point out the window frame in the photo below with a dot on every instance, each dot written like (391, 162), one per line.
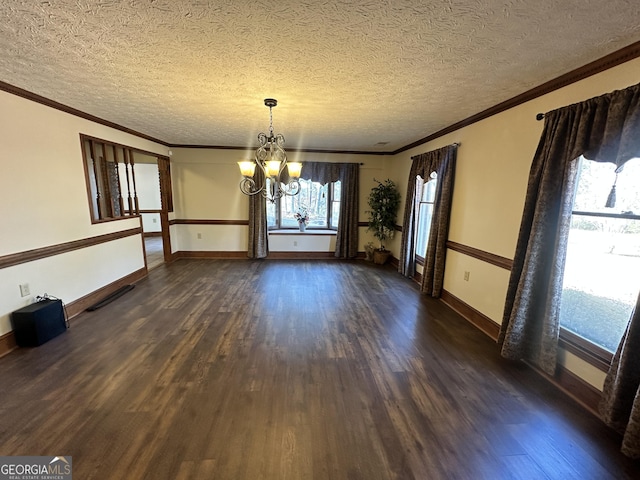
(128, 209)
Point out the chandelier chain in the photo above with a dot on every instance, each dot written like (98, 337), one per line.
(270, 121)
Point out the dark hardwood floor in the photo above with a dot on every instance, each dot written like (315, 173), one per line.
(233, 369)
(153, 250)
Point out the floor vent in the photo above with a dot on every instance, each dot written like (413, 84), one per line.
(117, 294)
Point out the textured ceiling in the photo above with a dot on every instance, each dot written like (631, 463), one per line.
(347, 74)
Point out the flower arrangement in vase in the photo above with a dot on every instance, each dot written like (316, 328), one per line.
(302, 216)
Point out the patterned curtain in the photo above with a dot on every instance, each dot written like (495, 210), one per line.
(604, 129)
(349, 176)
(347, 235)
(620, 405)
(258, 244)
(443, 162)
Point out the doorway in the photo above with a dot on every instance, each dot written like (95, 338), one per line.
(154, 195)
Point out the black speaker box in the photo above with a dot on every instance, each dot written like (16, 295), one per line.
(38, 323)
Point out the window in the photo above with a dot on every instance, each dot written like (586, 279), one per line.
(111, 179)
(425, 197)
(322, 203)
(601, 276)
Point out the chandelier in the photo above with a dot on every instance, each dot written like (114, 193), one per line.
(272, 160)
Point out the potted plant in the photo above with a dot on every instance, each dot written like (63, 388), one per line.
(384, 200)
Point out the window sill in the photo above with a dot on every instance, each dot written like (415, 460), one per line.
(585, 350)
(95, 221)
(293, 231)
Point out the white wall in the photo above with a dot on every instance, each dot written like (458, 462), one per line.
(300, 242)
(148, 186)
(148, 190)
(151, 222)
(43, 202)
(490, 186)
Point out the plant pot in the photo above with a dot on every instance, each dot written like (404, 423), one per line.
(380, 257)
(303, 226)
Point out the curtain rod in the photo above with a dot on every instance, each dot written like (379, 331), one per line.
(540, 116)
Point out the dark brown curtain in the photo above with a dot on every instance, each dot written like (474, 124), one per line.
(349, 176)
(443, 162)
(347, 235)
(603, 129)
(258, 245)
(620, 405)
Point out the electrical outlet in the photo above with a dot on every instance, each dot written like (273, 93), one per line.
(199, 236)
(155, 220)
(295, 243)
(25, 291)
(466, 276)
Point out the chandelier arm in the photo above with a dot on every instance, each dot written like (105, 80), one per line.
(263, 167)
(248, 187)
(292, 188)
(261, 152)
(266, 196)
(280, 154)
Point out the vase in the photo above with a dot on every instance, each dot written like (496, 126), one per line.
(303, 226)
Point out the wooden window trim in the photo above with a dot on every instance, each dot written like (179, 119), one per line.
(166, 193)
(129, 208)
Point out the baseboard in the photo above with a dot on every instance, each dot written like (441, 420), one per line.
(479, 320)
(208, 254)
(566, 381)
(302, 256)
(7, 343)
(73, 309)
